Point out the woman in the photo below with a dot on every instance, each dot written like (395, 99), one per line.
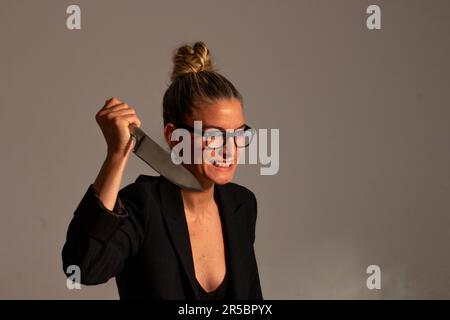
(158, 240)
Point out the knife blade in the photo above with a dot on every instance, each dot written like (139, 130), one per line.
(160, 160)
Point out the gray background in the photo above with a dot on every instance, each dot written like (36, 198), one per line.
(363, 118)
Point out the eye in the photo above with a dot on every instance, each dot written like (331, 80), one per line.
(212, 133)
(243, 137)
(214, 138)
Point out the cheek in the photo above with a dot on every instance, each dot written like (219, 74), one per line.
(197, 150)
(209, 155)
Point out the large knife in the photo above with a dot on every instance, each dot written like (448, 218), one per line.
(160, 160)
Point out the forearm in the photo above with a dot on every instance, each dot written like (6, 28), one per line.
(107, 183)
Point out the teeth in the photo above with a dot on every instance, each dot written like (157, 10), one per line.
(222, 165)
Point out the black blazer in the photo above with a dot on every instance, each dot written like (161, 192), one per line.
(146, 245)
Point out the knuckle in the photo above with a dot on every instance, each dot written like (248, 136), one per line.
(116, 120)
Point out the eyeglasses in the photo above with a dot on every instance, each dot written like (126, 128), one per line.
(216, 138)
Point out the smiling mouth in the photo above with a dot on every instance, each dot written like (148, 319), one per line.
(222, 164)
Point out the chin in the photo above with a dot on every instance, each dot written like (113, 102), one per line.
(220, 175)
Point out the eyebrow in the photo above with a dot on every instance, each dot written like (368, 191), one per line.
(216, 127)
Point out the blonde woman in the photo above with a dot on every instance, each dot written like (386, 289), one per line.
(158, 240)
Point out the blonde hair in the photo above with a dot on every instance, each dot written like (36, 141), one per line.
(189, 59)
(194, 80)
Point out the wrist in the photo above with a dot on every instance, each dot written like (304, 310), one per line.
(116, 158)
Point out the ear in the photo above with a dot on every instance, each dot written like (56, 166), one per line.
(168, 129)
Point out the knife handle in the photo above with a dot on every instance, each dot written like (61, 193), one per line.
(137, 135)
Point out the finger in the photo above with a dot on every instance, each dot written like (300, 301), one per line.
(133, 119)
(111, 102)
(120, 106)
(120, 113)
(137, 122)
(110, 111)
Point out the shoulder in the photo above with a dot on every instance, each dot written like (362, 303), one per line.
(242, 198)
(140, 199)
(238, 193)
(141, 191)
(145, 183)
(146, 188)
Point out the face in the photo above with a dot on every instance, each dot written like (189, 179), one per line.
(226, 114)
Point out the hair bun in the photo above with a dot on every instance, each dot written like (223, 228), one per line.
(189, 59)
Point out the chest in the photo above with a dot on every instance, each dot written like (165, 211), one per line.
(208, 252)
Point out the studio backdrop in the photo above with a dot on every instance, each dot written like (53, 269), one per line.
(354, 201)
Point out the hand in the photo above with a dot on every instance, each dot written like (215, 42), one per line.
(114, 119)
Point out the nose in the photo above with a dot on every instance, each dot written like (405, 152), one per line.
(229, 150)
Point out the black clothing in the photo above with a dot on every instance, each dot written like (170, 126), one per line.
(219, 294)
(144, 243)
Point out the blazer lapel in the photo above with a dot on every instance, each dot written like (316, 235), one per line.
(173, 212)
(235, 242)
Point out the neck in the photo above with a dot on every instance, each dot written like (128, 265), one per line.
(196, 203)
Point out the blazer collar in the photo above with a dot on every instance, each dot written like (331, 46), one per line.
(174, 216)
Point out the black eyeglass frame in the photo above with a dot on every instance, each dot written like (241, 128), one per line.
(204, 133)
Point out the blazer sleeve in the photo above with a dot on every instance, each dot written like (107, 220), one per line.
(99, 241)
(255, 287)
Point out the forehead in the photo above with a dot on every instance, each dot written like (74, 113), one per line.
(225, 113)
